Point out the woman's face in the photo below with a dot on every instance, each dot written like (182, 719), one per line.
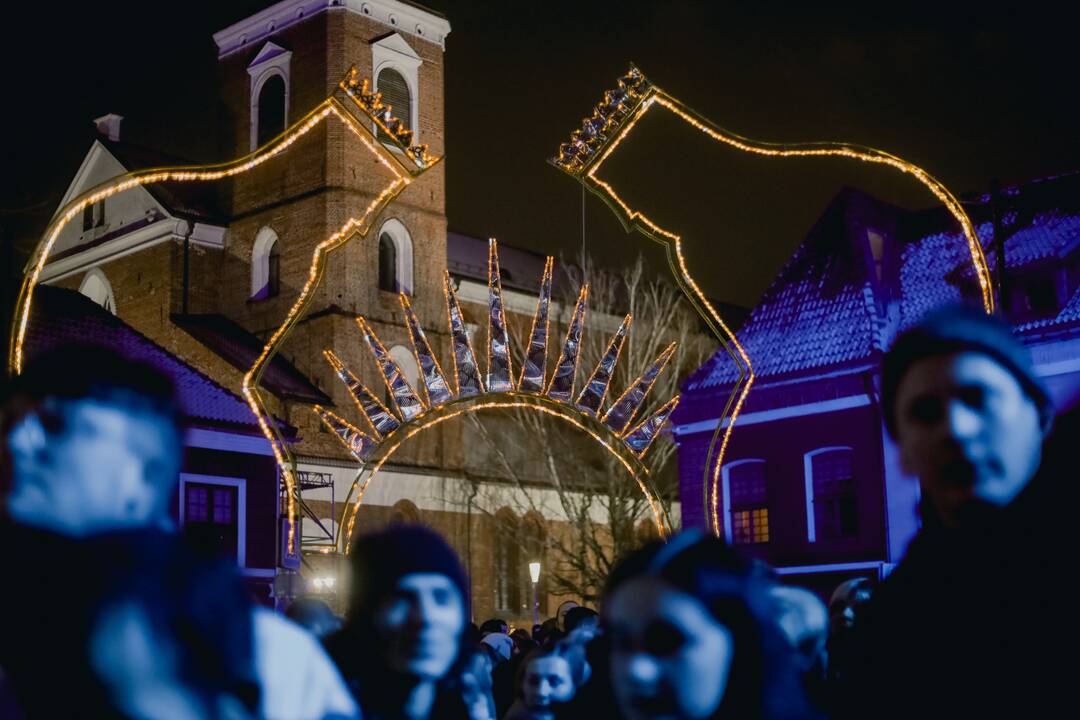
(422, 621)
(669, 657)
(547, 681)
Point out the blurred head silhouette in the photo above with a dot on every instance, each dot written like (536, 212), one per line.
(91, 441)
(968, 412)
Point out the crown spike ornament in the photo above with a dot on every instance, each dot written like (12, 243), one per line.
(596, 387)
(435, 385)
(561, 387)
(500, 367)
(413, 412)
(466, 370)
(534, 369)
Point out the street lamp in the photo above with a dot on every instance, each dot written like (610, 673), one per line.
(534, 574)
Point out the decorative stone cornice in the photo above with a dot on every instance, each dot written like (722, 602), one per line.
(396, 15)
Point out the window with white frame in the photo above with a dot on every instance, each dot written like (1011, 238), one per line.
(396, 70)
(269, 90)
(97, 287)
(745, 501)
(395, 270)
(213, 514)
(265, 265)
(831, 510)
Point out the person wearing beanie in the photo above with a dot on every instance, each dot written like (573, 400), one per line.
(955, 630)
(402, 643)
(968, 413)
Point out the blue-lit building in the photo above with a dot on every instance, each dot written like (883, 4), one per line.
(811, 482)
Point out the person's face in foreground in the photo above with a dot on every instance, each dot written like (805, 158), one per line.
(109, 467)
(968, 430)
(670, 658)
(422, 621)
(547, 681)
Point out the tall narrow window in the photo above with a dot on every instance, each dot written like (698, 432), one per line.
(273, 271)
(508, 564)
(271, 109)
(265, 265)
(749, 506)
(387, 263)
(833, 494)
(211, 518)
(395, 93)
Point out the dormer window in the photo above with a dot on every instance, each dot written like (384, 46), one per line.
(269, 93)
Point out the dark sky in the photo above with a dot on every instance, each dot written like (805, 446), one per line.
(968, 91)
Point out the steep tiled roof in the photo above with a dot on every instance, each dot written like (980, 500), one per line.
(818, 312)
(193, 200)
(820, 309)
(61, 317)
(240, 349)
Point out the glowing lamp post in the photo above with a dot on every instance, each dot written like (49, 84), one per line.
(534, 575)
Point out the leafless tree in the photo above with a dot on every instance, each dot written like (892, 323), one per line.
(557, 470)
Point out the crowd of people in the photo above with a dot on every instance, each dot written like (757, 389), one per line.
(108, 613)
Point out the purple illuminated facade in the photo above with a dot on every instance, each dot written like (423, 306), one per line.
(810, 482)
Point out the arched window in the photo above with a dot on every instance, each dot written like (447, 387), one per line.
(533, 537)
(395, 257)
(387, 263)
(508, 563)
(265, 265)
(404, 512)
(395, 93)
(745, 502)
(831, 511)
(96, 287)
(270, 121)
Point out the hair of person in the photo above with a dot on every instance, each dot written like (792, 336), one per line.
(763, 681)
(576, 616)
(493, 625)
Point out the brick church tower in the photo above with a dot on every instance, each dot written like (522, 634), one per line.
(208, 271)
(274, 67)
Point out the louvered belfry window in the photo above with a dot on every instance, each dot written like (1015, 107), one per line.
(395, 92)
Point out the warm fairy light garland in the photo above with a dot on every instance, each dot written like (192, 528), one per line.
(404, 172)
(488, 401)
(614, 118)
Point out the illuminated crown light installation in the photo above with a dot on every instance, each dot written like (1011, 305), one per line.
(466, 390)
(404, 167)
(600, 135)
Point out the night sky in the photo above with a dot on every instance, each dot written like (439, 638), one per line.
(971, 93)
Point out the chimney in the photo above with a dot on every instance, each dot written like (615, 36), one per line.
(109, 126)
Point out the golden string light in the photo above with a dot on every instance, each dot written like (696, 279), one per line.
(414, 161)
(613, 120)
(535, 391)
(512, 399)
